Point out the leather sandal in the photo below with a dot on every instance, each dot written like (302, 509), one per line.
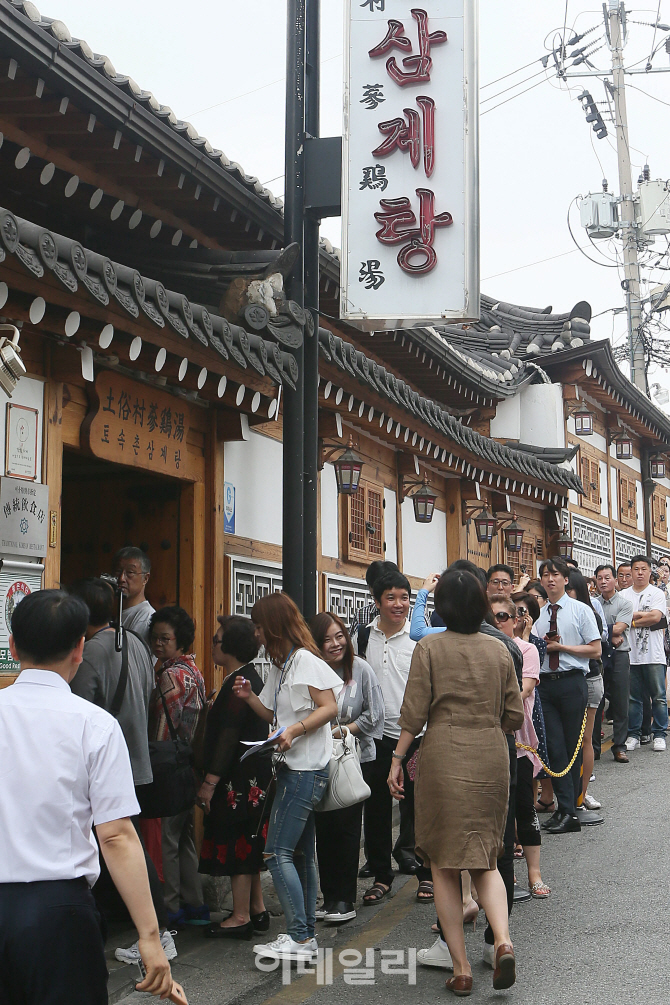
(424, 893)
(461, 986)
(504, 974)
(376, 893)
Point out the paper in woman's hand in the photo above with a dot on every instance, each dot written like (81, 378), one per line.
(261, 746)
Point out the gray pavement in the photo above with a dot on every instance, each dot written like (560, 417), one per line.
(600, 937)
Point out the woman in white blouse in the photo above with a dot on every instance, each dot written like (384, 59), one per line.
(300, 697)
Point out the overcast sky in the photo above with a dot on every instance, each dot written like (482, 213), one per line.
(220, 65)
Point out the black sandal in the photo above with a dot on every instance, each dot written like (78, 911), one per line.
(425, 887)
(376, 893)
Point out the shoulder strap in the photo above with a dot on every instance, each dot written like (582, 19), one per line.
(173, 731)
(119, 694)
(363, 639)
(139, 638)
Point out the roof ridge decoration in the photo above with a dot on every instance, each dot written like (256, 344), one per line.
(349, 358)
(41, 250)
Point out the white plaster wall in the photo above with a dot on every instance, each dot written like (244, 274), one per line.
(632, 462)
(614, 494)
(424, 545)
(603, 488)
(390, 526)
(506, 424)
(254, 467)
(534, 416)
(330, 530)
(639, 499)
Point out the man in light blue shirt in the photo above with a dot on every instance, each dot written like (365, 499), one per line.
(572, 637)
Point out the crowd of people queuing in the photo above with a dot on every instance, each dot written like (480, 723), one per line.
(476, 718)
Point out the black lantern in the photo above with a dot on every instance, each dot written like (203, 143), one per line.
(564, 545)
(584, 423)
(348, 470)
(657, 467)
(485, 526)
(624, 448)
(424, 503)
(513, 536)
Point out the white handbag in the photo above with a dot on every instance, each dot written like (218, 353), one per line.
(346, 785)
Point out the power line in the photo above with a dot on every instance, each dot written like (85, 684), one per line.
(510, 74)
(253, 91)
(530, 264)
(652, 96)
(512, 86)
(486, 110)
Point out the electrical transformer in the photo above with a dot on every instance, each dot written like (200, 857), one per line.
(653, 208)
(599, 215)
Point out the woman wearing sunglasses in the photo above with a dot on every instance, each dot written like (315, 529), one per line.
(527, 824)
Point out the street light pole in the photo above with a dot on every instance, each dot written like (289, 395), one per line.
(629, 235)
(311, 347)
(293, 414)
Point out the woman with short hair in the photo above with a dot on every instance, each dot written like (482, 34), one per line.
(361, 710)
(180, 694)
(463, 684)
(234, 795)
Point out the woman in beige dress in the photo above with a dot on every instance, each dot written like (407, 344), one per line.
(463, 685)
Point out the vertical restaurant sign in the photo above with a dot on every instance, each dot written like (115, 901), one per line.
(137, 425)
(410, 186)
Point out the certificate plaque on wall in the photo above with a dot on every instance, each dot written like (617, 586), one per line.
(21, 441)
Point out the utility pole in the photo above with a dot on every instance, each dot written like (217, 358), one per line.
(294, 418)
(614, 23)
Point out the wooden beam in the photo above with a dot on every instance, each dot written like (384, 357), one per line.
(104, 181)
(52, 473)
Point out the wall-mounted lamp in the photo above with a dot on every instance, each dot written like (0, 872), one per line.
(423, 500)
(348, 467)
(12, 367)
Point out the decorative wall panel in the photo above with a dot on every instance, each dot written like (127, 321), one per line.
(592, 543)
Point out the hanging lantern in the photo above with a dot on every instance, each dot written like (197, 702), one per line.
(564, 545)
(624, 448)
(424, 503)
(485, 526)
(348, 470)
(657, 467)
(513, 536)
(584, 423)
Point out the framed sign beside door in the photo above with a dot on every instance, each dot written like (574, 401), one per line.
(21, 441)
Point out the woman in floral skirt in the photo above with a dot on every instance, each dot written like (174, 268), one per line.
(233, 795)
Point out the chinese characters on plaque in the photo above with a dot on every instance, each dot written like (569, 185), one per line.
(410, 171)
(135, 424)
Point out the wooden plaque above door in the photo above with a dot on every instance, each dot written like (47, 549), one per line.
(136, 425)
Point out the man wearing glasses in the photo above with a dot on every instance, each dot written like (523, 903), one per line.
(132, 568)
(499, 579)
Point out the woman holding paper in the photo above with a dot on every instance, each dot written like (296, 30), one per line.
(234, 795)
(299, 698)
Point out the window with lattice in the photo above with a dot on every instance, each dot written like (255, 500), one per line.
(627, 501)
(364, 535)
(590, 474)
(659, 515)
(522, 561)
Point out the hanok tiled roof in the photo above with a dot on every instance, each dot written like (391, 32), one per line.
(41, 251)
(354, 362)
(103, 64)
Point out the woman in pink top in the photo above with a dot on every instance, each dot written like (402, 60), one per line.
(527, 824)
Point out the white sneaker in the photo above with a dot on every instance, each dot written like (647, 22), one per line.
(132, 953)
(437, 956)
(590, 803)
(632, 743)
(489, 956)
(284, 948)
(659, 743)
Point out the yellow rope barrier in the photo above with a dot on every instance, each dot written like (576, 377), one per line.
(558, 774)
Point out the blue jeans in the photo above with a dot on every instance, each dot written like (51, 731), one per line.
(290, 847)
(648, 679)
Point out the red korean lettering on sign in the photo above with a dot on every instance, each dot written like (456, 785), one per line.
(415, 135)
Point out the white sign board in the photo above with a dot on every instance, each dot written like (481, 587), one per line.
(410, 209)
(24, 523)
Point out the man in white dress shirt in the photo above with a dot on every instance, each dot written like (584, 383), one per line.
(647, 655)
(64, 769)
